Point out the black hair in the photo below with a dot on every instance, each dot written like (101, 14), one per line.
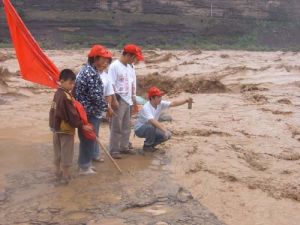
(93, 59)
(67, 74)
(152, 97)
(127, 53)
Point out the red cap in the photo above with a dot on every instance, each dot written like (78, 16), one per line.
(140, 56)
(134, 49)
(154, 91)
(99, 50)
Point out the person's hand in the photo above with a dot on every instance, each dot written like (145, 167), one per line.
(110, 113)
(115, 105)
(88, 127)
(168, 134)
(135, 108)
(190, 102)
(189, 99)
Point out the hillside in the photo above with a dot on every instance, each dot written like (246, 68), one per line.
(241, 24)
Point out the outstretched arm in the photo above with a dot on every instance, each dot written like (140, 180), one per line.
(180, 102)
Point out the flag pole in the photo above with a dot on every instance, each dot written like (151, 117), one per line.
(109, 156)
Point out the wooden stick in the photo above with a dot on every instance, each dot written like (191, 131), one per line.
(109, 156)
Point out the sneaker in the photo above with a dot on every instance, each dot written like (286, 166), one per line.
(116, 155)
(88, 171)
(64, 181)
(128, 152)
(149, 148)
(93, 168)
(99, 159)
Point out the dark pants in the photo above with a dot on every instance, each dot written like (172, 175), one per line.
(86, 146)
(153, 136)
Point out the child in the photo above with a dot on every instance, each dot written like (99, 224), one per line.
(63, 120)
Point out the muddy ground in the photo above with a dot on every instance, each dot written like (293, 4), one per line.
(234, 156)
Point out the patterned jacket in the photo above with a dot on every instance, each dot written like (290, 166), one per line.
(89, 91)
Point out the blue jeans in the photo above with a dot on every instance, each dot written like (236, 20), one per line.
(153, 136)
(86, 146)
(96, 123)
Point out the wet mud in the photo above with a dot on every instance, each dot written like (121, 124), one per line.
(234, 156)
(144, 194)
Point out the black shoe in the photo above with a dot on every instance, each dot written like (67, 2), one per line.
(149, 148)
(128, 152)
(130, 146)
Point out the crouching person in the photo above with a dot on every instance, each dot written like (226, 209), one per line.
(63, 119)
(148, 126)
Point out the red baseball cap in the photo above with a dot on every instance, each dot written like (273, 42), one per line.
(140, 56)
(134, 49)
(154, 91)
(99, 50)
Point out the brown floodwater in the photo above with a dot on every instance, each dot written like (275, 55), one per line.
(237, 151)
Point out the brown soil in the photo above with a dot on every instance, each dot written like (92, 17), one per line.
(277, 112)
(237, 151)
(4, 57)
(156, 58)
(173, 86)
(258, 98)
(285, 101)
(252, 87)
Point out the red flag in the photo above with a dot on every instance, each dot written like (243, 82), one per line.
(35, 66)
(91, 135)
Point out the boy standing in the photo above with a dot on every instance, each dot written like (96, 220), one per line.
(63, 119)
